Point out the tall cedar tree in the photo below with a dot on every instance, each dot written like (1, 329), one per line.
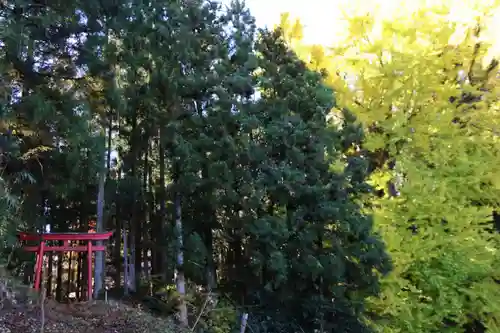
(312, 254)
(42, 109)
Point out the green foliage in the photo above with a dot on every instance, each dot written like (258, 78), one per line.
(211, 313)
(208, 117)
(11, 184)
(430, 143)
(222, 318)
(307, 240)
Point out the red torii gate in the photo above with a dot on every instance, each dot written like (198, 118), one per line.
(41, 248)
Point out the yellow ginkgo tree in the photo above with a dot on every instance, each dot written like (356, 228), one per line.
(424, 82)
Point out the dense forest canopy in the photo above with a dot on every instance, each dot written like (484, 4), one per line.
(351, 188)
(203, 143)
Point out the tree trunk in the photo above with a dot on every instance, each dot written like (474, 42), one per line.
(99, 255)
(117, 249)
(209, 213)
(180, 281)
(70, 273)
(59, 288)
(79, 277)
(160, 221)
(83, 227)
(144, 257)
(126, 281)
(50, 276)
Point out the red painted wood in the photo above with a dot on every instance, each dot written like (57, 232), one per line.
(39, 265)
(65, 236)
(81, 248)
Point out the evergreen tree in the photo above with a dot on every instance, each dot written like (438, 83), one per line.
(312, 257)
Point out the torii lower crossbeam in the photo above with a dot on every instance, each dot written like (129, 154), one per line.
(42, 247)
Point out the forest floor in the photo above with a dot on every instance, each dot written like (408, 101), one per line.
(23, 311)
(91, 317)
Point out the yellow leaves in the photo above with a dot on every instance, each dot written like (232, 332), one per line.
(400, 77)
(292, 31)
(360, 26)
(318, 56)
(380, 179)
(297, 30)
(400, 63)
(35, 152)
(284, 21)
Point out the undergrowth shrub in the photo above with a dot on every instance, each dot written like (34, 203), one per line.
(208, 312)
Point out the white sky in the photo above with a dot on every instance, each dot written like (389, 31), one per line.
(324, 22)
(314, 15)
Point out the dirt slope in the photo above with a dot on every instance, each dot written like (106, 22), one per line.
(93, 317)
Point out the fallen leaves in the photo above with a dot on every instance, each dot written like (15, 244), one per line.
(88, 317)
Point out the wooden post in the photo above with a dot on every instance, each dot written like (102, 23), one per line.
(39, 265)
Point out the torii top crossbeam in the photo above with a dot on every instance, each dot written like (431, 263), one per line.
(65, 236)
